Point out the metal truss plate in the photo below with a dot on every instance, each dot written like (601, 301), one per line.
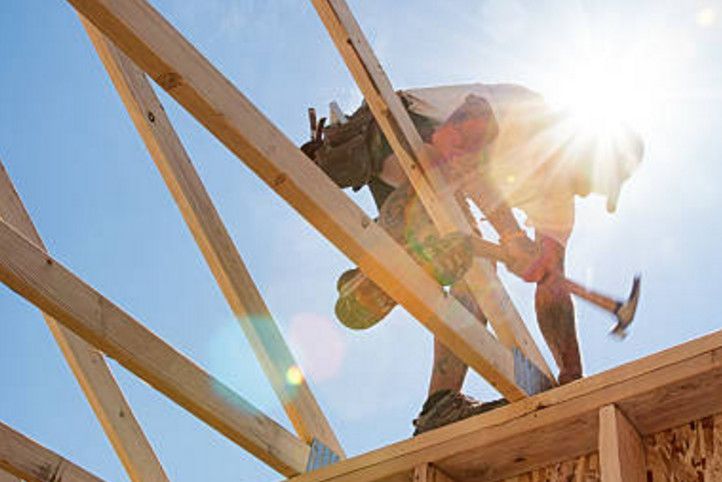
(320, 456)
(528, 376)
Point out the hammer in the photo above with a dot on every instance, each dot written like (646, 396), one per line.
(624, 311)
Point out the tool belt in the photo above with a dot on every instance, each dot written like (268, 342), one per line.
(352, 153)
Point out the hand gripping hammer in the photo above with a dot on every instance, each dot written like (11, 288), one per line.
(624, 311)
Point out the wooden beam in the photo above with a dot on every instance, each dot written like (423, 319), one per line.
(47, 284)
(658, 392)
(215, 243)
(428, 182)
(89, 367)
(621, 452)
(27, 460)
(158, 49)
(7, 477)
(429, 473)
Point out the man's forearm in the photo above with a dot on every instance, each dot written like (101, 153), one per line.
(489, 200)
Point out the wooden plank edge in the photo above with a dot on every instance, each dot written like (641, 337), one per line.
(621, 452)
(26, 459)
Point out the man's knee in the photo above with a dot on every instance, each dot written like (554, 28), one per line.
(551, 291)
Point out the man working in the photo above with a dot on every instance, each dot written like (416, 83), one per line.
(499, 146)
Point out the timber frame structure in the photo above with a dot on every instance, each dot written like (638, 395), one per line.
(620, 425)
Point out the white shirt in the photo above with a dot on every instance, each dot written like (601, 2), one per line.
(525, 161)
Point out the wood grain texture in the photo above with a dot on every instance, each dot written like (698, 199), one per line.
(215, 243)
(621, 453)
(89, 367)
(7, 477)
(158, 49)
(25, 459)
(429, 473)
(657, 392)
(43, 281)
(429, 184)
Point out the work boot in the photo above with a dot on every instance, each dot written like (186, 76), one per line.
(448, 406)
(361, 302)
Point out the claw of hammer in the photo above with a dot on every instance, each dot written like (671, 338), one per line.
(625, 311)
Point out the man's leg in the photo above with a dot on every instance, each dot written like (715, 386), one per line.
(555, 313)
(448, 371)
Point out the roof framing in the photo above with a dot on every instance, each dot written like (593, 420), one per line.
(215, 243)
(430, 186)
(608, 412)
(46, 283)
(23, 458)
(89, 366)
(158, 49)
(655, 393)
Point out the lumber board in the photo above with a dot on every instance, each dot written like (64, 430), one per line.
(89, 366)
(159, 50)
(657, 392)
(215, 243)
(26, 459)
(46, 283)
(621, 452)
(430, 186)
(7, 477)
(429, 473)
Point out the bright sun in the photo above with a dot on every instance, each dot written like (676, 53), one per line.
(603, 93)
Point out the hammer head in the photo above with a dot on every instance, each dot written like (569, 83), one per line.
(625, 311)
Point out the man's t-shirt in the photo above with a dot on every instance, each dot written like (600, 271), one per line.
(525, 161)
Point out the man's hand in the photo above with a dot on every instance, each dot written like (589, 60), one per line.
(525, 258)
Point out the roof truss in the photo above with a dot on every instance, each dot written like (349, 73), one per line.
(607, 412)
(158, 49)
(25, 459)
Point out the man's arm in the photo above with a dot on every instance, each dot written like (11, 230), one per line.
(524, 253)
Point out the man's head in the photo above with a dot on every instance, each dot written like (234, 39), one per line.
(602, 163)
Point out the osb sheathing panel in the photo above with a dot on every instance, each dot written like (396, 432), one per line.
(690, 453)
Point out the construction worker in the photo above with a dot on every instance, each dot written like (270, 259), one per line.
(501, 147)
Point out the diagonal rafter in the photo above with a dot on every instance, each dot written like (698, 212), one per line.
(24, 458)
(43, 281)
(158, 49)
(89, 366)
(430, 186)
(210, 233)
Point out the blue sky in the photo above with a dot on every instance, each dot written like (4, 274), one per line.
(103, 210)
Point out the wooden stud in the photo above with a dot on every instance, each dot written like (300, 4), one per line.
(429, 184)
(47, 284)
(621, 453)
(89, 367)
(661, 391)
(429, 473)
(210, 233)
(158, 49)
(27, 460)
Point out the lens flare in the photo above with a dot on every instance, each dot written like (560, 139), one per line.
(319, 344)
(294, 376)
